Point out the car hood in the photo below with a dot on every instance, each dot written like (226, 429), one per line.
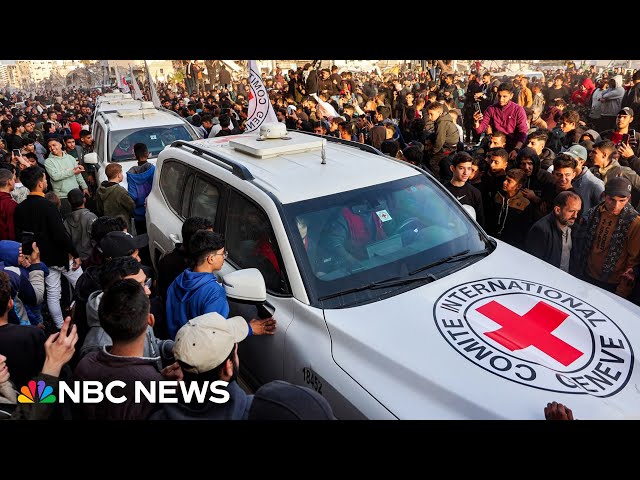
(496, 340)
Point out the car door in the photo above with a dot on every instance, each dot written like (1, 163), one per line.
(99, 137)
(251, 243)
(187, 192)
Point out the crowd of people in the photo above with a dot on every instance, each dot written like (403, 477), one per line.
(550, 166)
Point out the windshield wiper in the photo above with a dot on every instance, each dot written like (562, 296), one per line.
(451, 258)
(392, 282)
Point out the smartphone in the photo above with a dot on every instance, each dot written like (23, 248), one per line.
(632, 136)
(476, 107)
(625, 138)
(16, 152)
(27, 242)
(72, 315)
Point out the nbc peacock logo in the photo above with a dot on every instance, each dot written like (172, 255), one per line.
(36, 393)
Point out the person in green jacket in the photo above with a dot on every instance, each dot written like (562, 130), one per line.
(112, 199)
(65, 173)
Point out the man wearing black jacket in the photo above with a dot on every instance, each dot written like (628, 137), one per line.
(551, 238)
(40, 216)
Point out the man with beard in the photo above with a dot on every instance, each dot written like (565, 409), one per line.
(551, 238)
(612, 245)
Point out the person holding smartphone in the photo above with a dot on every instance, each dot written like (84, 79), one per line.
(626, 139)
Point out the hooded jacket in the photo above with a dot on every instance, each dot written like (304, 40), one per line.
(27, 284)
(446, 133)
(237, 408)
(612, 99)
(590, 189)
(539, 178)
(595, 135)
(113, 200)
(192, 294)
(97, 338)
(139, 183)
(78, 225)
(515, 216)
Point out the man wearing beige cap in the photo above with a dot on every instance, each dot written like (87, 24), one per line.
(612, 244)
(206, 347)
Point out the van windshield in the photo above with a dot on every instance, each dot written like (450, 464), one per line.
(155, 138)
(384, 232)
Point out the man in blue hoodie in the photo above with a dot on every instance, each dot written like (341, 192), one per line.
(139, 183)
(196, 291)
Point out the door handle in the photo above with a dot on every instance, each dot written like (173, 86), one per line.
(174, 238)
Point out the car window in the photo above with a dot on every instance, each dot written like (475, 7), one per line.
(204, 201)
(171, 181)
(186, 197)
(99, 142)
(250, 241)
(155, 138)
(385, 231)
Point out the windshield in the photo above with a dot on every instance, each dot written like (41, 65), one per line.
(388, 231)
(155, 138)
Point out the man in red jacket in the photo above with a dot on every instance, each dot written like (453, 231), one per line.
(7, 204)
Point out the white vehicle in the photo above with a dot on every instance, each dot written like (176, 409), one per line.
(120, 124)
(395, 304)
(529, 74)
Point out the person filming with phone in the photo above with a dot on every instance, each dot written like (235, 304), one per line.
(504, 116)
(626, 139)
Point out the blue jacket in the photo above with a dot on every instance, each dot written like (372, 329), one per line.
(193, 294)
(139, 187)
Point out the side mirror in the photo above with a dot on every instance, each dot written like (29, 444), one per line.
(245, 285)
(91, 158)
(470, 210)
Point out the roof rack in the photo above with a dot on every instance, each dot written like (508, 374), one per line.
(362, 146)
(237, 169)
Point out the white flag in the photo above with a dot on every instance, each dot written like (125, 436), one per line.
(325, 108)
(260, 108)
(122, 82)
(152, 87)
(137, 94)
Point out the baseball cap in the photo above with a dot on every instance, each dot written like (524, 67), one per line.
(279, 400)
(626, 111)
(121, 244)
(206, 341)
(618, 187)
(578, 152)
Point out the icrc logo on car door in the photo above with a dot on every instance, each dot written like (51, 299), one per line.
(535, 335)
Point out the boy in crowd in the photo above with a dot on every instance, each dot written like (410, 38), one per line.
(466, 194)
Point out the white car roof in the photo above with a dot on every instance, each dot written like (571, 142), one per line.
(296, 176)
(141, 119)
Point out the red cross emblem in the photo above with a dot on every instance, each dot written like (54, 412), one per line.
(383, 215)
(533, 328)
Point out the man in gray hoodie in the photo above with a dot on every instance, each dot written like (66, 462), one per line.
(78, 224)
(122, 268)
(585, 183)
